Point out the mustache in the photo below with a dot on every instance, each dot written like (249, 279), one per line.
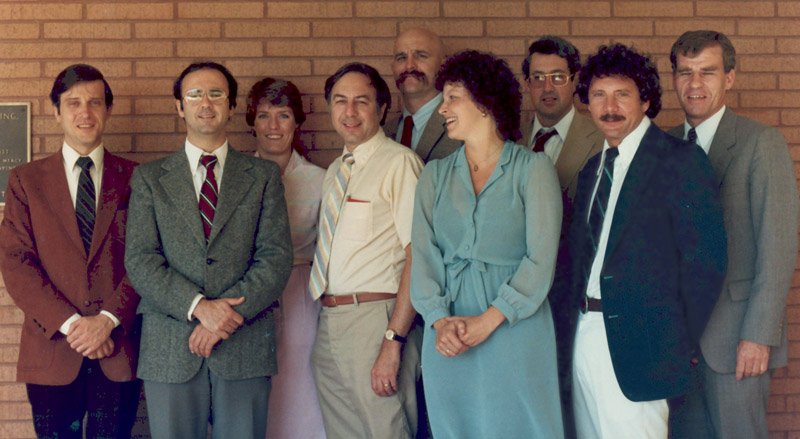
(612, 117)
(415, 73)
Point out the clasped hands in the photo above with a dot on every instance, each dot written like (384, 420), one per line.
(457, 334)
(90, 336)
(218, 321)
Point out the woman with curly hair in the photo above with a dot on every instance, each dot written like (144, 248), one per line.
(486, 228)
(275, 111)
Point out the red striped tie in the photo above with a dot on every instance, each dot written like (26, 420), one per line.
(208, 194)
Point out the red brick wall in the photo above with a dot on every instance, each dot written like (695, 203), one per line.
(142, 46)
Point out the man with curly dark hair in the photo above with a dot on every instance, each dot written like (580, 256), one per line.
(647, 255)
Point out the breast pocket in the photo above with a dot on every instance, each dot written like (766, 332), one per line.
(355, 222)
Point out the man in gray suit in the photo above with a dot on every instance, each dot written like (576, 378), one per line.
(746, 335)
(418, 54)
(209, 251)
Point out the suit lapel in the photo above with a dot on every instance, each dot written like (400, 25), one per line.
(573, 154)
(720, 153)
(236, 182)
(178, 185)
(111, 187)
(635, 183)
(54, 185)
(434, 131)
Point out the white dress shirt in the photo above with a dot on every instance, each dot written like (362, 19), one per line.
(706, 130)
(554, 145)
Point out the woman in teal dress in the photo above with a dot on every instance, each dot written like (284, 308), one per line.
(485, 235)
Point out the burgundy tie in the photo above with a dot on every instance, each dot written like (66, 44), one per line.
(541, 138)
(208, 194)
(408, 127)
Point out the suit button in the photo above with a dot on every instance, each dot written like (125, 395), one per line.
(86, 303)
(209, 261)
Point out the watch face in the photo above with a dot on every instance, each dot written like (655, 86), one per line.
(389, 334)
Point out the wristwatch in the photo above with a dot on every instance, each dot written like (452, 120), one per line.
(392, 336)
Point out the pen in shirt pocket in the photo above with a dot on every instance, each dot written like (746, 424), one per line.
(350, 199)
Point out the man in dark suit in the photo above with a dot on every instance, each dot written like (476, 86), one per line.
(209, 249)
(746, 335)
(647, 249)
(63, 243)
(418, 54)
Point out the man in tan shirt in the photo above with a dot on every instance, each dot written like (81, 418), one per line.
(365, 359)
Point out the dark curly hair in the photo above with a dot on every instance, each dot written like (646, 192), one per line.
(553, 45)
(619, 60)
(492, 85)
(279, 93)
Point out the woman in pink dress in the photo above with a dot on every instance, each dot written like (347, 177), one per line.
(275, 111)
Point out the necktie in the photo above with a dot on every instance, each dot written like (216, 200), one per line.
(208, 194)
(85, 201)
(600, 203)
(331, 206)
(541, 137)
(408, 127)
(692, 136)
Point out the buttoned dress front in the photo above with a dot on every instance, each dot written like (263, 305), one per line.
(494, 249)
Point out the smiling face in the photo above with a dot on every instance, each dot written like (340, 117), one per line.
(275, 129)
(82, 114)
(616, 107)
(354, 109)
(461, 114)
(551, 102)
(701, 83)
(205, 117)
(418, 54)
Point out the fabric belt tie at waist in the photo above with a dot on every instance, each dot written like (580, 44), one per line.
(330, 301)
(591, 304)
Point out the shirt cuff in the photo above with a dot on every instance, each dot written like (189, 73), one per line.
(111, 316)
(64, 329)
(193, 306)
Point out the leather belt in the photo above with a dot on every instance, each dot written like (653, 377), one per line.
(330, 301)
(591, 304)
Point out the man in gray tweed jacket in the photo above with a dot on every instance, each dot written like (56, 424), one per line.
(209, 252)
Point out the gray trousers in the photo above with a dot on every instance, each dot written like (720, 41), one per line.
(235, 408)
(719, 406)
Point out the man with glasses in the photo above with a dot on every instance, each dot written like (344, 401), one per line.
(569, 138)
(210, 253)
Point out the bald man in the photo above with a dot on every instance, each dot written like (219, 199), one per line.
(417, 55)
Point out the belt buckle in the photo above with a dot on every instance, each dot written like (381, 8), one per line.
(332, 301)
(585, 304)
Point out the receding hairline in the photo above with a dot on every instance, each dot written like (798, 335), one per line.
(421, 31)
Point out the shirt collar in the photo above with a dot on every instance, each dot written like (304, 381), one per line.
(424, 112)
(193, 153)
(71, 156)
(706, 130)
(630, 144)
(364, 151)
(561, 127)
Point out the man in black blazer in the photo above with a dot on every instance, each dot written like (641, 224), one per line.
(648, 255)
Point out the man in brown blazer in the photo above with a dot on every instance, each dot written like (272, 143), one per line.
(418, 54)
(569, 138)
(63, 244)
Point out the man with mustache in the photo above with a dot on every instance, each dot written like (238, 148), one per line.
(209, 251)
(647, 248)
(418, 54)
(746, 336)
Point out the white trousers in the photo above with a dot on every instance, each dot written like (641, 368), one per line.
(601, 409)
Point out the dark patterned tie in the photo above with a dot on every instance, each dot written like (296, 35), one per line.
(600, 203)
(541, 138)
(85, 201)
(408, 127)
(692, 136)
(208, 194)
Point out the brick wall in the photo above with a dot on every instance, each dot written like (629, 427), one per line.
(142, 46)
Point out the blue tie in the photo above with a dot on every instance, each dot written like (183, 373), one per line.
(598, 212)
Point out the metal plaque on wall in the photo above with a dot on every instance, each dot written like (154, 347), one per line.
(15, 140)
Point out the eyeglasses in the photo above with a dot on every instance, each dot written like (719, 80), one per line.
(558, 79)
(196, 95)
